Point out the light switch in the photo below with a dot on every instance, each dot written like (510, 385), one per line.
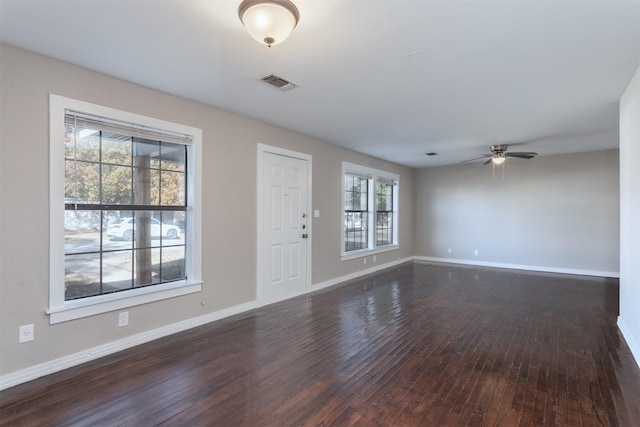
(316, 213)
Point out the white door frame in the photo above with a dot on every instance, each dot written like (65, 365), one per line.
(262, 149)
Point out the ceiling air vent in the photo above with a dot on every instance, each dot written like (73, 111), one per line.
(431, 154)
(279, 82)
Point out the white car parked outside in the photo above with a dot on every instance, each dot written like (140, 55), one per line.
(122, 229)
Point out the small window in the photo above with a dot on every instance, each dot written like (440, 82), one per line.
(369, 211)
(356, 212)
(130, 208)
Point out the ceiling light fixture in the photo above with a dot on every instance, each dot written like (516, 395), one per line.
(269, 21)
(498, 159)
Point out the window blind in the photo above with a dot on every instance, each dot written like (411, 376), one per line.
(82, 120)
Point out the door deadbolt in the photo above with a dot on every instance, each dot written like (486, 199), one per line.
(305, 235)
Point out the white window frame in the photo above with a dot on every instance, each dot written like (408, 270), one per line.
(60, 310)
(373, 175)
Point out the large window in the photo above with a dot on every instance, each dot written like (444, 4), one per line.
(126, 232)
(370, 211)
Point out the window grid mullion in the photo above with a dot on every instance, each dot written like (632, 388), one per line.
(101, 200)
(186, 177)
(112, 207)
(371, 189)
(160, 201)
(160, 169)
(132, 199)
(160, 248)
(75, 163)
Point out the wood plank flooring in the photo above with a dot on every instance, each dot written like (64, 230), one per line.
(417, 345)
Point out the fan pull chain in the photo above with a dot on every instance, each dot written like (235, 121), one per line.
(493, 165)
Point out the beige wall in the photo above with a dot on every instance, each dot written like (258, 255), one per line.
(629, 320)
(229, 180)
(558, 212)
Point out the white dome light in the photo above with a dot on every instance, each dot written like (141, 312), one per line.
(269, 21)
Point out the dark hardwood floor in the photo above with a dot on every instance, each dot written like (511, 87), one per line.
(418, 345)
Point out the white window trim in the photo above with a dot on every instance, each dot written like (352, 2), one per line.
(373, 174)
(60, 310)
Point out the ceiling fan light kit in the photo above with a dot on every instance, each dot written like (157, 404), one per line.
(269, 21)
(498, 159)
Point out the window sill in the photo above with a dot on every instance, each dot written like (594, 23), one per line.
(366, 252)
(77, 309)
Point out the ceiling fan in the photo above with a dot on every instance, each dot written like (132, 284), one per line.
(499, 154)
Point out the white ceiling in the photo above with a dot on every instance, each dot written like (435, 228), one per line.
(392, 79)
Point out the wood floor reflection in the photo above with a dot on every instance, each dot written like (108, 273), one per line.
(417, 345)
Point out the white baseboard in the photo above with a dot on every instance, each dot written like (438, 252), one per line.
(614, 274)
(631, 342)
(42, 369)
(338, 280)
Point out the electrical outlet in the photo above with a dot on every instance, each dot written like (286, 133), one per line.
(364, 260)
(123, 319)
(374, 258)
(475, 252)
(26, 333)
(449, 250)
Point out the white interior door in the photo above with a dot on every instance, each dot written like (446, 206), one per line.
(283, 243)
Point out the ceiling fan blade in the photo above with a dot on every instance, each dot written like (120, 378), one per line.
(477, 158)
(487, 162)
(522, 155)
